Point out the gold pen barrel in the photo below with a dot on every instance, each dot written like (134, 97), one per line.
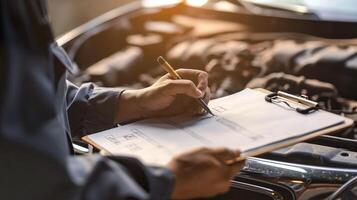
(168, 68)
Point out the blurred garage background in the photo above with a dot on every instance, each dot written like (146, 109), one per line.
(68, 14)
(303, 47)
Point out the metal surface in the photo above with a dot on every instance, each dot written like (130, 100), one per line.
(321, 155)
(100, 20)
(259, 189)
(301, 178)
(305, 180)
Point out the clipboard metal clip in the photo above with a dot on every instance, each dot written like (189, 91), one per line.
(279, 97)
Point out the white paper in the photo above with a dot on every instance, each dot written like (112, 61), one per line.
(243, 121)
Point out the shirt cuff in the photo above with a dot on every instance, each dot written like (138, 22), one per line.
(93, 109)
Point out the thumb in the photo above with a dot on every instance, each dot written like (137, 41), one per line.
(186, 87)
(224, 154)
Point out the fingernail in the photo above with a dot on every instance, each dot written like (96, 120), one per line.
(237, 152)
(199, 93)
(201, 111)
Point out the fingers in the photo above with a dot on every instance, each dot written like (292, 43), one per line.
(202, 79)
(186, 87)
(207, 95)
(191, 74)
(198, 78)
(237, 166)
(206, 98)
(224, 154)
(227, 158)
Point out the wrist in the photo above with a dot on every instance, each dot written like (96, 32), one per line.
(128, 107)
(178, 190)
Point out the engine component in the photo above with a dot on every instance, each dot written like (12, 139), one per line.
(316, 60)
(119, 68)
(237, 56)
(315, 154)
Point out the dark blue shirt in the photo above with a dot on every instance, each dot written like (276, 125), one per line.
(41, 112)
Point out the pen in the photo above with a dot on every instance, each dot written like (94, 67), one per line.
(167, 67)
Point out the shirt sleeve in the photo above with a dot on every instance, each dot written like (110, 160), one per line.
(91, 108)
(27, 173)
(35, 160)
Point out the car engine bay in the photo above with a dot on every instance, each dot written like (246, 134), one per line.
(119, 49)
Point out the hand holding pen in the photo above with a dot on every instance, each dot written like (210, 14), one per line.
(166, 97)
(168, 68)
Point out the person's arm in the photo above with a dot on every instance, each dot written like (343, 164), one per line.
(92, 109)
(27, 173)
(34, 148)
(166, 97)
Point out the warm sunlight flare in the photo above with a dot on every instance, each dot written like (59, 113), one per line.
(154, 3)
(196, 2)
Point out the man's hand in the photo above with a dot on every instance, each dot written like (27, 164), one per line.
(166, 97)
(203, 172)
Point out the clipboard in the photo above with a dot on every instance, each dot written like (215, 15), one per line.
(310, 107)
(307, 106)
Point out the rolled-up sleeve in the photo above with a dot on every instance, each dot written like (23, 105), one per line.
(91, 108)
